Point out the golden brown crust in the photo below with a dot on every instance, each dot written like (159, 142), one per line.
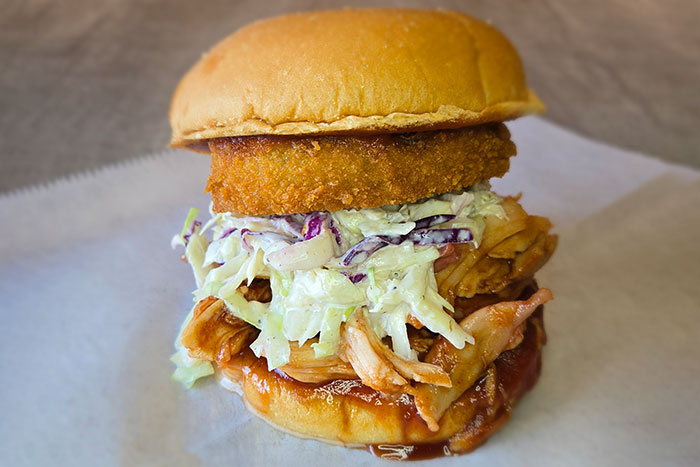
(347, 412)
(280, 175)
(366, 70)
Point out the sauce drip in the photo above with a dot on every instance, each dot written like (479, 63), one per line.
(400, 452)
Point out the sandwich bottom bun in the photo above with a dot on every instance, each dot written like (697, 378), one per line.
(348, 413)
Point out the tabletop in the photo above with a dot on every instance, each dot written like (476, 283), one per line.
(86, 84)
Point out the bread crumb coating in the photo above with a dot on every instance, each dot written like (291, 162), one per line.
(256, 175)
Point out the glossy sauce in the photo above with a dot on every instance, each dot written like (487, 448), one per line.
(399, 452)
(484, 407)
(514, 373)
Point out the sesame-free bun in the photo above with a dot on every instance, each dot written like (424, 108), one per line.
(351, 71)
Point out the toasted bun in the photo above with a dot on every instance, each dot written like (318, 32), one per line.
(351, 71)
(349, 413)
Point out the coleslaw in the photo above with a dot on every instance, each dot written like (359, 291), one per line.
(323, 266)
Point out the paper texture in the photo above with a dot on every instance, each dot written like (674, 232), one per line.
(92, 297)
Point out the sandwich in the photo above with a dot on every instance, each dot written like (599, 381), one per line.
(357, 280)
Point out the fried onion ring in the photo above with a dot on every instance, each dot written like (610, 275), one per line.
(285, 175)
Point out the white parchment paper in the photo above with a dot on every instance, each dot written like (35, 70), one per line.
(91, 296)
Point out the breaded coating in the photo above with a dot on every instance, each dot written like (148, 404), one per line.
(285, 174)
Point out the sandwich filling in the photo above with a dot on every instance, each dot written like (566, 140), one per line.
(418, 298)
(322, 267)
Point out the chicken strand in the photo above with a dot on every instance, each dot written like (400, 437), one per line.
(493, 327)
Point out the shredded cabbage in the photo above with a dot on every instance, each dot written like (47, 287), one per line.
(187, 372)
(330, 331)
(312, 293)
(195, 253)
(271, 342)
(179, 239)
(187, 369)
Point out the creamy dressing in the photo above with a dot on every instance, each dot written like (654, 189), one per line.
(324, 266)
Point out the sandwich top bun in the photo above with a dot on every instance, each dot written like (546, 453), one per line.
(351, 71)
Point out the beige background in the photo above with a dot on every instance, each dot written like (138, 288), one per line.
(84, 84)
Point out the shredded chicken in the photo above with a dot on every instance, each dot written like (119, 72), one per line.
(378, 366)
(259, 290)
(481, 283)
(413, 321)
(495, 328)
(516, 338)
(421, 340)
(304, 366)
(214, 334)
(448, 255)
(466, 306)
(512, 249)
(493, 273)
